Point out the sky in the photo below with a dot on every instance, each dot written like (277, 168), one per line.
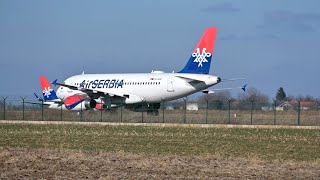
(271, 43)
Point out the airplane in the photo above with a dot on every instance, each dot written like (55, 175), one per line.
(136, 91)
(51, 99)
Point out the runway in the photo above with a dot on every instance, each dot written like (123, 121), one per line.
(158, 124)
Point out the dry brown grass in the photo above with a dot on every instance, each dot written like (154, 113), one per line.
(66, 164)
(129, 152)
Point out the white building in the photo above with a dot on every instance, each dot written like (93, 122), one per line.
(291, 105)
(192, 107)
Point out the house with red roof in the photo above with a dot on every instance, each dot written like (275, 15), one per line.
(293, 105)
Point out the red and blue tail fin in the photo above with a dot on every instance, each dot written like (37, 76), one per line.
(47, 91)
(200, 60)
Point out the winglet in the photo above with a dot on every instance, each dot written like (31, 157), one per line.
(55, 82)
(244, 87)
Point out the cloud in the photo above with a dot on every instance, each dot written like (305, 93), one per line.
(225, 7)
(229, 37)
(290, 21)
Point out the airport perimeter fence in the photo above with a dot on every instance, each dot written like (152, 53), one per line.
(202, 111)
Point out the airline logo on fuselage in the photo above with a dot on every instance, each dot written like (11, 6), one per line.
(102, 83)
(201, 58)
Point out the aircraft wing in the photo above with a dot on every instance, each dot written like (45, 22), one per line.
(90, 92)
(37, 103)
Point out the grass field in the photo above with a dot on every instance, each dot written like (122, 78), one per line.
(308, 118)
(154, 151)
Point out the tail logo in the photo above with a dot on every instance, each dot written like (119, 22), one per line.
(47, 91)
(201, 58)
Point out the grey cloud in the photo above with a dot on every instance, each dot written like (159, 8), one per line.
(290, 21)
(229, 37)
(270, 36)
(225, 7)
(248, 37)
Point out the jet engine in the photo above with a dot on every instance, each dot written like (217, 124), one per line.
(78, 103)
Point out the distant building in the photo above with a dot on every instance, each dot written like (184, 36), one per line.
(267, 108)
(192, 107)
(170, 107)
(291, 105)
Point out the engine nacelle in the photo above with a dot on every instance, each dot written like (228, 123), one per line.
(78, 103)
(143, 107)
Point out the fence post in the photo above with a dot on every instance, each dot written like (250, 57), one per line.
(80, 111)
(142, 108)
(23, 98)
(207, 101)
(142, 116)
(252, 101)
(274, 111)
(4, 107)
(101, 113)
(121, 114)
(229, 109)
(61, 112)
(185, 110)
(299, 109)
(42, 109)
(163, 110)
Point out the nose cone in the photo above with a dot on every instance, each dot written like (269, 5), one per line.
(60, 93)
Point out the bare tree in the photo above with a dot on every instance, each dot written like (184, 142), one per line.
(217, 100)
(244, 100)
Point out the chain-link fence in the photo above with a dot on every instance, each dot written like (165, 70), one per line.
(203, 111)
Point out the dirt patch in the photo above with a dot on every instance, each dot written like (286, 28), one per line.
(65, 164)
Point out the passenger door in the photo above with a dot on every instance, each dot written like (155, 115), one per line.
(170, 85)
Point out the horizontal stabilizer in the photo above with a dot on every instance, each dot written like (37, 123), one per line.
(206, 91)
(234, 79)
(244, 87)
(55, 82)
(39, 98)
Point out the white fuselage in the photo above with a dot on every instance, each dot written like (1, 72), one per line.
(142, 87)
